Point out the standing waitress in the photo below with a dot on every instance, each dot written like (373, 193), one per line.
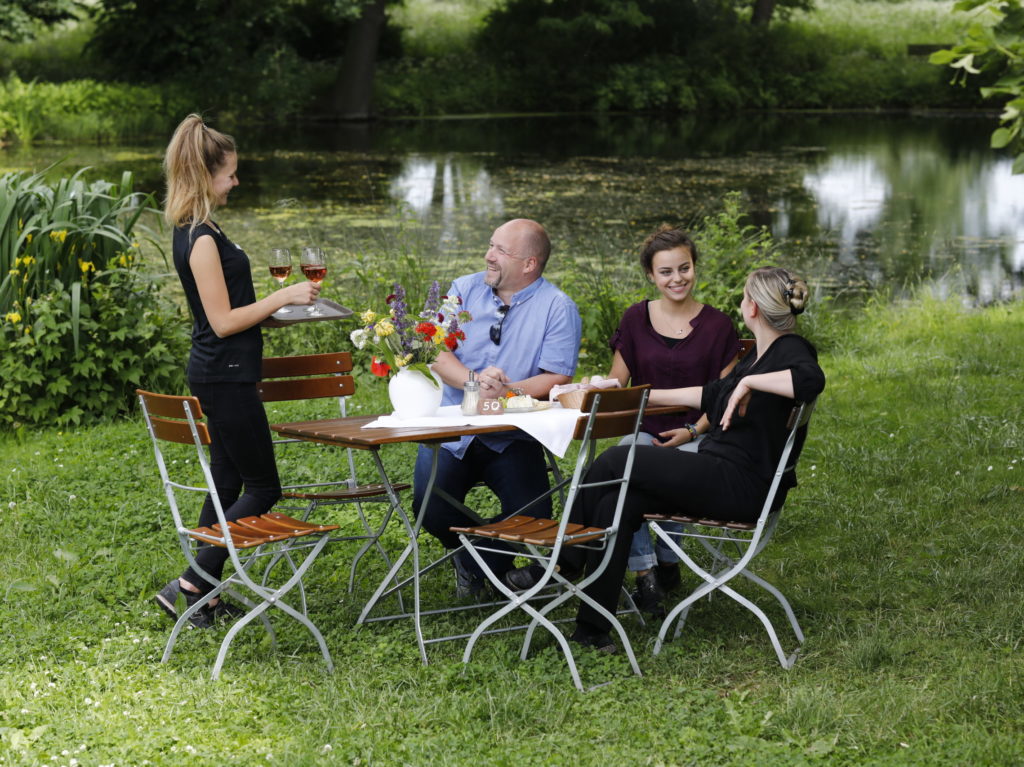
(227, 348)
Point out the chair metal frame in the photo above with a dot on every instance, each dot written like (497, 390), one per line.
(611, 413)
(292, 379)
(248, 540)
(748, 538)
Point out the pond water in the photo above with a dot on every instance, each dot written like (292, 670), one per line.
(854, 200)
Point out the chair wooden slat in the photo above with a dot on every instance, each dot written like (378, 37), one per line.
(307, 365)
(169, 405)
(587, 534)
(494, 529)
(297, 524)
(306, 388)
(179, 431)
(360, 492)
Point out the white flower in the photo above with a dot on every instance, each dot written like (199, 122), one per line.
(359, 337)
(990, 468)
(325, 748)
(11, 505)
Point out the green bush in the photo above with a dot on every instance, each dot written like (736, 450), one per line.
(86, 110)
(81, 326)
(128, 337)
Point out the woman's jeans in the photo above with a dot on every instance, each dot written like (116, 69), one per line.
(644, 553)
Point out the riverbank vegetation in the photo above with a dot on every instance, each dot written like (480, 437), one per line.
(895, 552)
(478, 56)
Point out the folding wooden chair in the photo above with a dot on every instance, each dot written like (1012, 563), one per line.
(748, 539)
(317, 376)
(248, 540)
(611, 413)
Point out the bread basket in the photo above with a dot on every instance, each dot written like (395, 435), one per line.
(573, 399)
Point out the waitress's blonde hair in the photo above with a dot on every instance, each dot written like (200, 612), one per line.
(193, 156)
(779, 294)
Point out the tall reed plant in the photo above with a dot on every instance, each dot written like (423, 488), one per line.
(75, 233)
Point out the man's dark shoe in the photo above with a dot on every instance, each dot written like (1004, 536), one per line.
(668, 576)
(468, 585)
(523, 578)
(599, 640)
(648, 595)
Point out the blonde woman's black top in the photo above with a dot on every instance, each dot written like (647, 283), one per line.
(236, 358)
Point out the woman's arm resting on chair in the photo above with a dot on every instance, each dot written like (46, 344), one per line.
(778, 382)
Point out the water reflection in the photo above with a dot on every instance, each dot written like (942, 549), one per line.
(859, 200)
(465, 187)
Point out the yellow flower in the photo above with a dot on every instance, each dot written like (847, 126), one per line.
(86, 266)
(384, 328)
(439, 337)
(13, 317)
(368, 316)
(59, 235)
(28, 237)
(403, 361)
(122, 260)
(25, 260)
(13, 271)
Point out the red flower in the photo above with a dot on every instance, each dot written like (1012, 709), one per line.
(460, 334)
(390, 298)
(427, 329)
(380, 368)
(451, 342)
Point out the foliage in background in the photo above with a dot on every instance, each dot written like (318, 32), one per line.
(251, 61)
(85, 110)
(81, 327)
(23, 19)
(997, 51)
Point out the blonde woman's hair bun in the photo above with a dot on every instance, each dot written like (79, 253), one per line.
(780, 295)
(796, 294)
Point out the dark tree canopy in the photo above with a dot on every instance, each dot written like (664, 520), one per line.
(21, 19)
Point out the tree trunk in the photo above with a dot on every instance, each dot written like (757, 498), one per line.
(763, 10)
(353, 89)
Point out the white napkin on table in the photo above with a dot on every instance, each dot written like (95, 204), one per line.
(552, 427)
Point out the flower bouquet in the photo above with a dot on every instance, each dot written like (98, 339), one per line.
(401, 341)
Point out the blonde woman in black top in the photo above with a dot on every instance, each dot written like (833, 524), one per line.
(227, 348)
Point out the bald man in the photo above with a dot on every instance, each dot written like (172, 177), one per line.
(525, 334)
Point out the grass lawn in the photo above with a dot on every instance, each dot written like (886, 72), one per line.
(898, 552)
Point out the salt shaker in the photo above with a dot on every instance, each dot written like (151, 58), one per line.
(470, 395)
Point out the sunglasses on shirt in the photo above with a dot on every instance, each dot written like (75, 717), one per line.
(496, 327)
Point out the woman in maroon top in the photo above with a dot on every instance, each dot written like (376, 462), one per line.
(671, 342)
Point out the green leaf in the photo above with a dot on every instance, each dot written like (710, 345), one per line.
(941, 58)
(1001, 137)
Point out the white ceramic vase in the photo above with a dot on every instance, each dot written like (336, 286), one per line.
(413, 395)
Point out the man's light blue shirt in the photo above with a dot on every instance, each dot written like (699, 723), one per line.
(541, 333)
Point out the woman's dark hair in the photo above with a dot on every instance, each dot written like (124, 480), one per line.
(666, 238)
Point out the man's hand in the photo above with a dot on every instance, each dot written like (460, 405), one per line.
(493, 382)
